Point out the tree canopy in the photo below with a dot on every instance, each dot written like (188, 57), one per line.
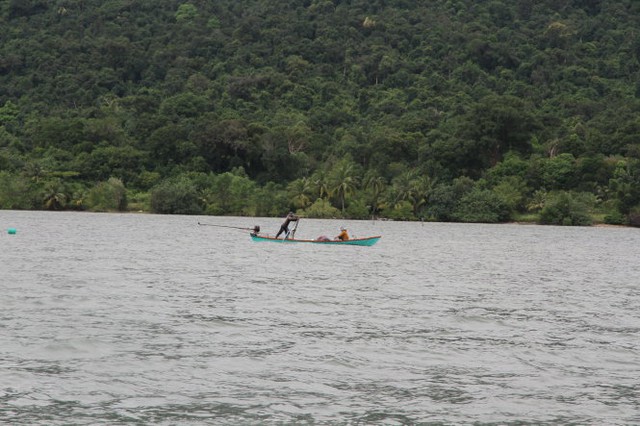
(448, 110)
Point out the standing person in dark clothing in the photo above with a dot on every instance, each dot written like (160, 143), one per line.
(285, 225)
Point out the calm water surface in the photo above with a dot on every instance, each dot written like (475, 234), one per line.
(142, 319)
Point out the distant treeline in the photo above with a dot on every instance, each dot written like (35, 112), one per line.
(453, 110)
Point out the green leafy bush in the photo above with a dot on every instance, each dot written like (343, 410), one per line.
(615, 218)
(107, 196)
(482, 206)
(270, 200)
(512, 191)
(321, 209)
(401, 211)
(634, 216)
(441, 203)
(175, 196)
(357, 209)
(231, 193)
(563, 208)
(17, 192)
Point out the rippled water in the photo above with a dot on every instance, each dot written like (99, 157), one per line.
(142, 319)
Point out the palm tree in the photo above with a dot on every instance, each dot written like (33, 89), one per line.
(423, 187)
(299, 191)
(343, 180)
(54, 196)
(34, 170)
(402, 187)
(413, 187)
(376, 185)
(321, 183)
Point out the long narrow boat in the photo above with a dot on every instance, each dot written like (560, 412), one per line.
(368, 241)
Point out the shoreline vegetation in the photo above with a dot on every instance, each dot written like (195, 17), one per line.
(494, 112)
(528, 219)
(236, 194)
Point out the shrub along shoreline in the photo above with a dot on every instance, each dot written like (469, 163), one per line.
(234, 194)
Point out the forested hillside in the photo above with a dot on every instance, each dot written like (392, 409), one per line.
(459, 110)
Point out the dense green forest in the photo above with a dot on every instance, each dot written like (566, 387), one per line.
(458, 110)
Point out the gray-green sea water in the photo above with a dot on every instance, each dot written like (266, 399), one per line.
(109, 319)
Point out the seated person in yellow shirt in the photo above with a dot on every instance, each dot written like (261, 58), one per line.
(343, 236)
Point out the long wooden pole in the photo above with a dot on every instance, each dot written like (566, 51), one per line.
(255, 229)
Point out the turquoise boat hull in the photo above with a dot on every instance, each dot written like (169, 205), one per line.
(368, 241)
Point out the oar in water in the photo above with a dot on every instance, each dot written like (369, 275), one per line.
(255, 229)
